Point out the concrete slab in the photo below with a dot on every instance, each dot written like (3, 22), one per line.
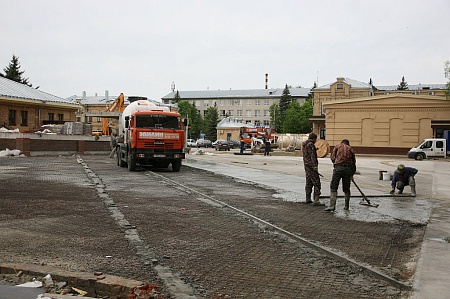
(431, 206)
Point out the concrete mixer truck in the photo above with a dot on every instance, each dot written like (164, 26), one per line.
(150, 135)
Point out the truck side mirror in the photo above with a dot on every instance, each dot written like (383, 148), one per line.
(127, 121)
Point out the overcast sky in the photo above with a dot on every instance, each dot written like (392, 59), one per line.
(140, 47)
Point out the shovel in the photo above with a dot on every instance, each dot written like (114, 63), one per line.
(367, 203)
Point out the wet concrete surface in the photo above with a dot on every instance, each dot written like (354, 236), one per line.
(430, 207)
(290, 183)
(217, 252)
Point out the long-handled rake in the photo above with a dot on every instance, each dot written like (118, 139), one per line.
(367, 201)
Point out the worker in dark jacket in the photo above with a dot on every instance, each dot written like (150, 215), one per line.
(343, 158)
(402, 177)
(311, 170)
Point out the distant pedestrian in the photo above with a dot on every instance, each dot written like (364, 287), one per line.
(242, 144)
(343, 158)
(402, 177)
(267, 144)
(311, 165)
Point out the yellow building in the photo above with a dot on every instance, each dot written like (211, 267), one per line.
(345, 88)
(379, 119)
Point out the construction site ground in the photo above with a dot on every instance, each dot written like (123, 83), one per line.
(197, 234)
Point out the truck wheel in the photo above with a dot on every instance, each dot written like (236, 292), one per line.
(120, 161)
(131, 161)
(419, 157)
(176, 165)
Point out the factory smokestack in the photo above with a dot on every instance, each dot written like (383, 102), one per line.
(267, 80)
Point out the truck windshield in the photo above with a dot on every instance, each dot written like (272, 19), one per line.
(157, 122)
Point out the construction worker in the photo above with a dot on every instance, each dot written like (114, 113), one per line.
(402, 177)
(241, 139)
(311, 165)
(343, 158)
(267, 146)
(113, 144)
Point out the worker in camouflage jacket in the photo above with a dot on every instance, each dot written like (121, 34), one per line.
(311, 165)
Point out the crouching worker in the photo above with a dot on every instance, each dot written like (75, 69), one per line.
(402, 177)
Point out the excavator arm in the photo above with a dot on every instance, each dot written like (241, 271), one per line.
(117, 106)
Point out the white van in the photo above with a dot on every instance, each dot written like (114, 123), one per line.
(433, 147)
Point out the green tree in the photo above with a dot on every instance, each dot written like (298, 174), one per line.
(176, 98)
(297, 118)
(210, 123)
(275, 118)
(285, 100)
(403, 84)
(12, 72)
(189, 111)
(291, 124)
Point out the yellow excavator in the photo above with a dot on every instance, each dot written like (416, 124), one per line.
(117, 106)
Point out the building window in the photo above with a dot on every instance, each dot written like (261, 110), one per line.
(99, 119)
(222, 102)
(340, 86)
(431, 93)
(266, 123)
(78, 119)
(249, 102)
(214, 103)
(61, 117)
(257, 101)
(90, 119)
(239, 102)
(12, 117)
(204, 113)
(230, 112)
(323, 109)
(266, 102)
(206, 103)
(231, 102)
(222, 112)
(323, 133)
(24, 118)
(266, 113)
(239, 113)
(248, 113)
(257, 112)
(257, 123)
(51, 116)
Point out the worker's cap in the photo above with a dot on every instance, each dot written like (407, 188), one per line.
(400, 167)
(312, 136)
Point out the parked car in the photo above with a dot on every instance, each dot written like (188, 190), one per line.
(234, 143)
(204, 143)
(191, 143)
(222, 145)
